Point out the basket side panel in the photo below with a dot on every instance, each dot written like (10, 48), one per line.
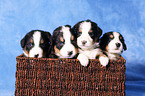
(40, 77)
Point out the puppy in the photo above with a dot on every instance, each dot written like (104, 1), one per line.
(88, 33)
(112, 43)
(36, 44)
(64, 43)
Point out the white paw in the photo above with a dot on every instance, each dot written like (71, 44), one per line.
(104, 60)
(83, 59)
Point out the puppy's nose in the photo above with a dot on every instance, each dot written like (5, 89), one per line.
(118, 44)
(36, 56)
(84, 42)
(70, 53)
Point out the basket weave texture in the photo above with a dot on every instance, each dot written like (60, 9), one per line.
(66, 77)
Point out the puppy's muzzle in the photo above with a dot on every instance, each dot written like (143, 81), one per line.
(70, 53)
(118, 45)
(36, 56)
(84, 42)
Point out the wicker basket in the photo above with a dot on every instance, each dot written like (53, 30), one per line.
(65, 77)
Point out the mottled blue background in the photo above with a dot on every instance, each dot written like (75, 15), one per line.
(17, 17)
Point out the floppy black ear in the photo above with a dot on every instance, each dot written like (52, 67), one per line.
(55, 34)
(76, 28)
(98, 29)
(23, 42)
(49, 37)
(103, 41)
(124, 46)
(123, 42)
(27, 36)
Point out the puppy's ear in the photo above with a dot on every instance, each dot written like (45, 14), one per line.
(49, 37)
(102, 43)
(55, 33)
(76, 28)
(23, 42)
(124, 46)
(99, 31)
(123, 42)
(48, 34)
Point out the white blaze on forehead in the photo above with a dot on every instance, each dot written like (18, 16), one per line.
(116, 35)
(36, 38)
(68, 46)
(85, 27)
(36, 49)
(66, 34)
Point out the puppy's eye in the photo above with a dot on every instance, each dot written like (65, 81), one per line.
(30, 44)
(79, 33)
(42, 45)
(91, 34)
(61, 43)
(49, 43)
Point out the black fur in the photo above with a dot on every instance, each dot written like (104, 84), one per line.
(105, 39)
(123, 42)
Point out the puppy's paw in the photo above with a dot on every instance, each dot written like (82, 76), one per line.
(83, 60)
(104, 60)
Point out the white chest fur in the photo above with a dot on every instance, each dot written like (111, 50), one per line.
(91, 54)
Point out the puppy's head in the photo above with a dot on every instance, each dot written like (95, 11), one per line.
(87, 33)
(113, 42)
(64, 42)
(36, 44)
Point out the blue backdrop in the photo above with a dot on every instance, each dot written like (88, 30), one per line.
(17, 17)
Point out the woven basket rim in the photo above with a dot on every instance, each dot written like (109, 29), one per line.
(65, 59)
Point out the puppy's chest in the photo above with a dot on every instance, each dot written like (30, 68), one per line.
(91, 54)
(113, 56)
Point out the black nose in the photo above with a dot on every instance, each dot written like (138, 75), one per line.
(70, 53)
(36, 56)
(118, 44)
(84, 42)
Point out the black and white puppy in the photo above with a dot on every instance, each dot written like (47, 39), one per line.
(112, 43)
(64, 43)
(88, 34)
(36, 43)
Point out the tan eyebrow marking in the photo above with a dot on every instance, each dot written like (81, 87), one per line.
(90, 31)
(42, 41)
(80, 30)
(31, 40)
(72, 37)
(61, 39)
(111, 36)
(120, 37)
